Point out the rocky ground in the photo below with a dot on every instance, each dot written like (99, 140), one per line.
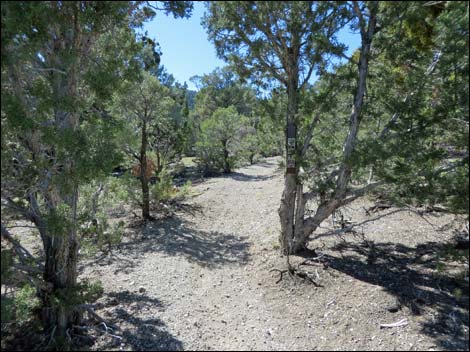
(206, 276)
(202, 278)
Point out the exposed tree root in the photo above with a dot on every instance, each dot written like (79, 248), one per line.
(92, 314)
(96, 323)
(296, 273)
(281, 272)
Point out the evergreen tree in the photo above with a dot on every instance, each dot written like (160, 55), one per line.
(286, 42)
(217, 147)
(146, 106)
(61, 61)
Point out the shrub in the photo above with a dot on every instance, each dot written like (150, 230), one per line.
(218, 146)
(163, 190)
(19, 308)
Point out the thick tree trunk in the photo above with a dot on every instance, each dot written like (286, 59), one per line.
(59, 231)
(326, 208)
(143, 173)
(60, 275)
(286, 213)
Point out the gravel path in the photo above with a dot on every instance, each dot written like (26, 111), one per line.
(201, 280)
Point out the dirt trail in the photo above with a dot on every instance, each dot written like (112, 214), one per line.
(200, 280)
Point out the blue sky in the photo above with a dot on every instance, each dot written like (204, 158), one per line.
(186, 49)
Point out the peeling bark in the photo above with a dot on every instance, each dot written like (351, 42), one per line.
(343, 174)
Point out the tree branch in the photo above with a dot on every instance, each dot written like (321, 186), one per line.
(431, 68)
(309, 135)
(353, 195)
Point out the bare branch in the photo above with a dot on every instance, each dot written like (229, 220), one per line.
(309, 135)
(49, 69)
(22, 252)
(9, 203)
(307, 77)
(353, 195)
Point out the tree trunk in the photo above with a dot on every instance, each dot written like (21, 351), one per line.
(60, 274)
(226, 155)
(143, 173)
(327, 207)
(286, 213)
(252, 158)
(159, 166)
(59, 233)
(288, 200)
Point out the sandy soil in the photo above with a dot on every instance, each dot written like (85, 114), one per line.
(202, 280)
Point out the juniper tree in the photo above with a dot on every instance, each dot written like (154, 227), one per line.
(220, 89)
(145, 105)
(287, 42)
(58, 134)
(409, 132)
(61, 62)
(219, 140)
(421, 82)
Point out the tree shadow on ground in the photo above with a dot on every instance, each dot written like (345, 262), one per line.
(408, 274)
(139, 329)
(176, 237)
(266, 164)
(113, 257)
(247, 178)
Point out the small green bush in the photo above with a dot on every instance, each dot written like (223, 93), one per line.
(25, 302)
(19, 308)
(163, 190)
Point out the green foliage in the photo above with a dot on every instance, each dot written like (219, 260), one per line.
(218, 146)
(421, 76)
(122, 190)
(186, 189)
(414, 126)
(7, 311)
(25, 302)
(160, 108)
(163, 190)
(101, 235)
(6, 263)
(222, 88)
(58, 220)
(250, 147)
(19, 309)
(97, 231)
(70, 297)
(62, 63)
